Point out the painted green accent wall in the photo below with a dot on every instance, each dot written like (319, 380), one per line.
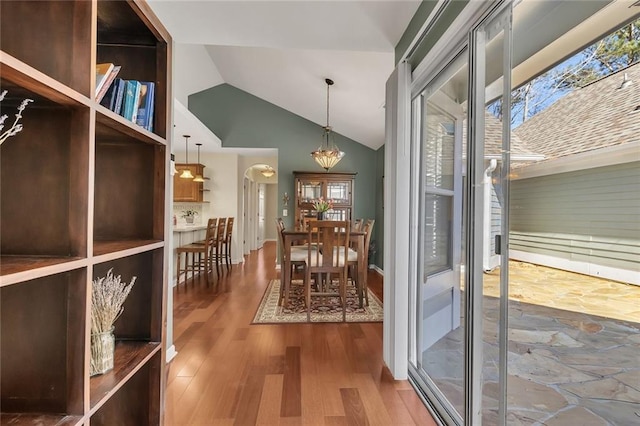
(421, 15)
(240, 119)
(447, 17)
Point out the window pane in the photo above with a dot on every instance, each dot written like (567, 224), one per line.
(438, 149)
(437, 233)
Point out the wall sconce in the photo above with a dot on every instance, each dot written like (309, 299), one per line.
(285, 199)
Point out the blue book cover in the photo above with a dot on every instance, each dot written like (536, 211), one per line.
(117, 106)
(131, 93)
(149, 121)
(145, 104)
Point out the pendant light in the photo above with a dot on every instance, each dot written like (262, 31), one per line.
(328, 154)
(186, 173)
(199, 177)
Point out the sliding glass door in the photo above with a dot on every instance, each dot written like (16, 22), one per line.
(438, 351)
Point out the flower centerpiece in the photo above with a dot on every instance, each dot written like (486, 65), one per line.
(189, 215)
(321, 207)
(107, 297)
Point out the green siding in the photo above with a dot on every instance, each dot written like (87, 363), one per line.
(590, 215)
(240, 119)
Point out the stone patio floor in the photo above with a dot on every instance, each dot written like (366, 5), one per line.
(574, 350)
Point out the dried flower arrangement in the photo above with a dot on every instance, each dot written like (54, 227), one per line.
(107, 297)
(16, 127)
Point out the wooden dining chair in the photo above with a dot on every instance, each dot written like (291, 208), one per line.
(297, 256)
(357, 225)
(198, 257)
(333, 238)
(368, 229)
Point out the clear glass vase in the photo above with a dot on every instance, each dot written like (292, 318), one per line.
(102, 352)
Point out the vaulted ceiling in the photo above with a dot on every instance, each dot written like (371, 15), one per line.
(282, 51)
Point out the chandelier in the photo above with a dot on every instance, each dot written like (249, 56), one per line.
(328, 154)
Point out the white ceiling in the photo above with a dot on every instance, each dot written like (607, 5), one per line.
(281, 51)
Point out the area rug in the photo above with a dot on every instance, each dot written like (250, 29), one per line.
(326, 309)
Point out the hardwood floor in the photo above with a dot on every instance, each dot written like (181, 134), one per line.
(229, 372)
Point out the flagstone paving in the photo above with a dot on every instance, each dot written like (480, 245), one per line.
(574, 350)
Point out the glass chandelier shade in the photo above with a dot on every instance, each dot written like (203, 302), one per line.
(328, 154)
(199, 177)
(186, 173)
(268, 172)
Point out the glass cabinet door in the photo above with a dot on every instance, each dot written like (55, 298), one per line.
(308, 191)
(339, 192)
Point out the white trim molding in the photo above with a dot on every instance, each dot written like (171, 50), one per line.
(608, 156)
(607, 272)
(397, 168)
(170, 354)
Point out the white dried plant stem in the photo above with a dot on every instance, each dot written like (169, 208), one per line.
(16, 127)
(108, 294)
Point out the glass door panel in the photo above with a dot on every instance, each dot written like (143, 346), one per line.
(339, 192)
(309, 191)
(488, 260)
(437, 365)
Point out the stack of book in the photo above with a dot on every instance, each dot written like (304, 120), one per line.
(132, 99)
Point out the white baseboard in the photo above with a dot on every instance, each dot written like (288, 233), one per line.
(171, 353)
(622, 275)
(378, 270)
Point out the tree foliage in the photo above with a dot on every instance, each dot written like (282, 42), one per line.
(616, 51)
(612, 53)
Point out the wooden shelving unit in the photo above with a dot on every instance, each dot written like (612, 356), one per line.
(83, 190)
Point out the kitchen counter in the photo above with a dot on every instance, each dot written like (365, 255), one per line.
(189, 228)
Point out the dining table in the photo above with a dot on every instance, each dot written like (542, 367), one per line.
(293, 235)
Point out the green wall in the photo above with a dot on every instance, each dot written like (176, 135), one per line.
(421, 15)
(434, 33)
(240, 119)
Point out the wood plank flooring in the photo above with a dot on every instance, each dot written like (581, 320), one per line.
(229, 372)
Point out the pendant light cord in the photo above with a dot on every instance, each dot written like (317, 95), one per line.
(328, 85)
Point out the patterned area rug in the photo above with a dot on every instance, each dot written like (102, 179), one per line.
(325, 309)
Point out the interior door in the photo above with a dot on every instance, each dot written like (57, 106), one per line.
(261, 214)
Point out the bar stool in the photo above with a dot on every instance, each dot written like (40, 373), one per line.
(204, 260)
(226, 243)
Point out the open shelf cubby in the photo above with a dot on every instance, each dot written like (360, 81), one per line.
(125, 39)
(51, 36)
(43, 182)
(135, 403)
(140, 319)
(129, 191)
(42, 334)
